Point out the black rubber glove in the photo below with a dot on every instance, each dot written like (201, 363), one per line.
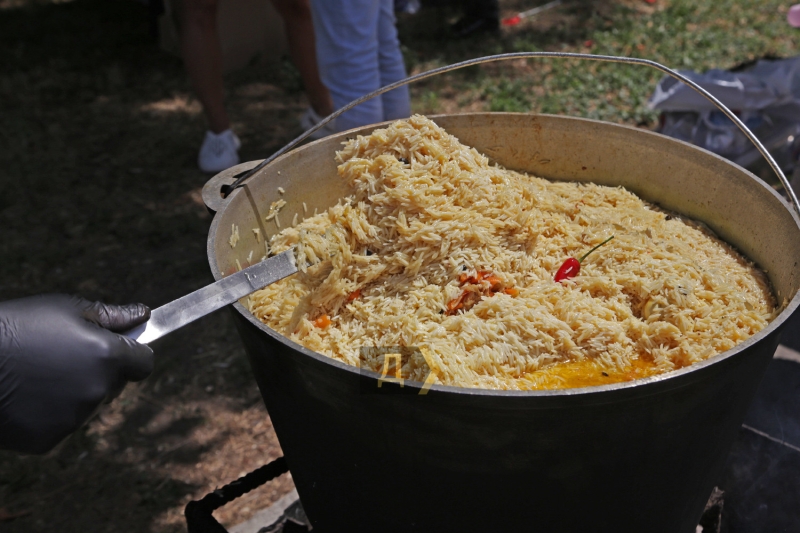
(58, 361)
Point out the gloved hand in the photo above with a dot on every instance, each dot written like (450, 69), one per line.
(59, 359)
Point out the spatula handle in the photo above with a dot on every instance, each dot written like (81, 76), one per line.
(201, 302)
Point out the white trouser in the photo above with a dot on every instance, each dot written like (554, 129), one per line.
(358, 52)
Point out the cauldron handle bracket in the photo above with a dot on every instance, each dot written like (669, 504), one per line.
(218, 188)
(239, 181)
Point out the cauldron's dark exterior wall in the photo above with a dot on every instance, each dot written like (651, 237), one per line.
(634, 457)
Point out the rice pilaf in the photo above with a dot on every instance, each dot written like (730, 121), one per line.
(429, 220)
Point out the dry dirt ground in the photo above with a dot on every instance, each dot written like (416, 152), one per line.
(100, 196)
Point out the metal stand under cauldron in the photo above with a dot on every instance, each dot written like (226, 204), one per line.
(288, 516)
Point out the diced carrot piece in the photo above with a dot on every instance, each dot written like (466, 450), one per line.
(456, 303)
(353, 295)
(512, 291)
(323, 322)
(494, 281)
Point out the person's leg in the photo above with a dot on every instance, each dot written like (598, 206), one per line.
(396, 103)
(347, 54)
(197, 28)
(202, 55)
(296, 16)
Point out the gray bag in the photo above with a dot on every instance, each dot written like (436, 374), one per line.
(765, 96)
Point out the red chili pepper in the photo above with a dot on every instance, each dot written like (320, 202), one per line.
(572, 266)
(569, 269)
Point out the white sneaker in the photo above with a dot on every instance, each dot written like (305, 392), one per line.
(311, 119)
(219, 151)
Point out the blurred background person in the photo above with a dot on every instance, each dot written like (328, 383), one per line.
(299, 26)
(358, 51)
(196, 22)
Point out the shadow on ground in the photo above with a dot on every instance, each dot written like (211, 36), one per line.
(100, 196)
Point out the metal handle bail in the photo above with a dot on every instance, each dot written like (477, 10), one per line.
(527, 55)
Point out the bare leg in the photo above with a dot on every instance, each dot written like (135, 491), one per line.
(300, 34)
(202, 55)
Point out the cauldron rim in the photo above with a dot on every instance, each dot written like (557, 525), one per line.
(670, 380)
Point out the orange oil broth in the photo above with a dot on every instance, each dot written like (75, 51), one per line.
(587, 373)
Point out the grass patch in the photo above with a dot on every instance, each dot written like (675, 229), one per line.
(681, 34)
(508, 95)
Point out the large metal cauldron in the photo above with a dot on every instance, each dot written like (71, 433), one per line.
(641, 456)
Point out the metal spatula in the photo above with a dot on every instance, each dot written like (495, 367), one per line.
(201, 302)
